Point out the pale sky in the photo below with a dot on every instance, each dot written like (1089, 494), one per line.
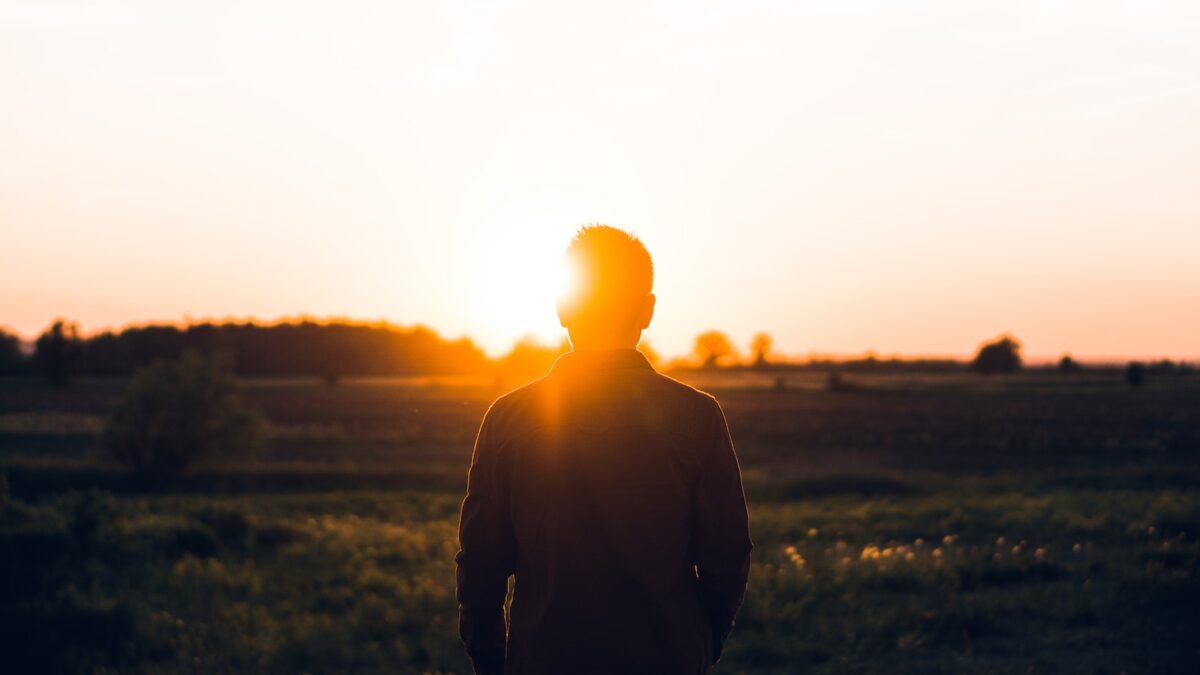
(905, 177)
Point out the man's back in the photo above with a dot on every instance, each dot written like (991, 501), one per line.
(613, 495)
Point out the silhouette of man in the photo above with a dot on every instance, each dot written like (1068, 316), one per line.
(611, 493)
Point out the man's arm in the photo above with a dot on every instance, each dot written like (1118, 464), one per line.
(486, 553)
(722, 532)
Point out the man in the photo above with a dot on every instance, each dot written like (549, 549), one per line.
(610, 492)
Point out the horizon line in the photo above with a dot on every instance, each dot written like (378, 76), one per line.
(781, 356)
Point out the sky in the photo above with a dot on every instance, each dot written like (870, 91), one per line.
(846, 175)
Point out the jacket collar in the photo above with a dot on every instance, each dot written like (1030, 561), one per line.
(601, 359)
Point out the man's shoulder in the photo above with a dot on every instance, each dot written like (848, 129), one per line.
(684, 393)
(518, 403)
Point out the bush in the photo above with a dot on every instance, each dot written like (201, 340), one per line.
(836, 383)
(1135, 374)
(1000, 356)
(56, 352)
(230, 526)
(176, 412)
(1068, 365)
(712, 346)
(90, 513)
(11, 359)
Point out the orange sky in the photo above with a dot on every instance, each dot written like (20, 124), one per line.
(907, 177)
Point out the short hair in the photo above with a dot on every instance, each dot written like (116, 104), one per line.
(613, 272)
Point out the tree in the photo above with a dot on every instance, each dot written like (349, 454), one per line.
(57, 351)
(1067, 364)
(1135, 374)
(305, 348)
(10, 353)
(1002, 355)
(712, 346)
(176, 412)
(760, 346)
(1162, 367)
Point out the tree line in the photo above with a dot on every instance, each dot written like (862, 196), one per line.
(297, 349)
(344, 349)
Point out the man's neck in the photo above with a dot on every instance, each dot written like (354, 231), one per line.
(599, 344)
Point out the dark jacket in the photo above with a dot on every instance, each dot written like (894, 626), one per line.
(613, 495)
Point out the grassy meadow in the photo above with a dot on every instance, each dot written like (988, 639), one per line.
(1033, 523)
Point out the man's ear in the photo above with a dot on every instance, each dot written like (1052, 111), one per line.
(647, 311)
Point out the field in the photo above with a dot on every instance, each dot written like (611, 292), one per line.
(1033, 523)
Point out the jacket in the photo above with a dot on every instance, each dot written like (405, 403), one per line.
(613, 496)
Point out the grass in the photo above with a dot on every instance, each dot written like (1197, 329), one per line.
(1015, 526)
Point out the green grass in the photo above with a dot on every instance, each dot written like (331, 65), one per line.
(363, 582)
(1023, 526)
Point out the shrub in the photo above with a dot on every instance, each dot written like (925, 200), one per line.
(712, 346)
(11, 359)
(1000, 356)
(192, 539)
(176, 412)
(1067, 364)
(231, 526)
(90, 513)
(57, 351)
(835, 382)
(1135, 374)
(760, 346)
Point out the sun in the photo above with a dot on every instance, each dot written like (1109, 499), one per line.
(515, 278)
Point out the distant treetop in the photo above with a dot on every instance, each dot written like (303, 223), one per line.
(1002, 355)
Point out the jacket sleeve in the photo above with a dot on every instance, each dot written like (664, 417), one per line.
(721, 534)
(486, 552)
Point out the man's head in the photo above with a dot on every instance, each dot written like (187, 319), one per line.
(609, 301)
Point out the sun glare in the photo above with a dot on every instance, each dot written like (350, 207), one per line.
(517, 276)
